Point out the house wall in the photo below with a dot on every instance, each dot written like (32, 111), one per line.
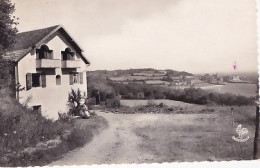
(53, 98)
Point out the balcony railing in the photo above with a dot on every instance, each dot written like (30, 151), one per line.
(70, 64)
(47, 63)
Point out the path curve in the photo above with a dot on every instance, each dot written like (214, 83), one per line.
(116, 144)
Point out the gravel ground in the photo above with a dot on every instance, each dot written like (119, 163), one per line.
(140, 138)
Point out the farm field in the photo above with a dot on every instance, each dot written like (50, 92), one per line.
(134, 103)
(131, 78)
(139, 138)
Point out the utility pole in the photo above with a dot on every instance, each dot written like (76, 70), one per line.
(255, 154)
(256, 133)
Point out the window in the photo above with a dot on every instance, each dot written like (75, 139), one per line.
(58, 80)
(37, 108)
(44, 52)
(76, 78)
(35, 80)
(68, 54)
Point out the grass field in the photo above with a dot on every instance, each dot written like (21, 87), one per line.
(197, 137)
(159, 137)
(134, 103)
(199, 133)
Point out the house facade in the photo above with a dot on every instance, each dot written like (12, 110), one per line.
(49, 63)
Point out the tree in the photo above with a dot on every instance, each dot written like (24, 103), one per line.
(7, 39)
(8, 24)
(168, 78)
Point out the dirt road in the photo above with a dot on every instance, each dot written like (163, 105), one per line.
(116, 144)
(140, 138)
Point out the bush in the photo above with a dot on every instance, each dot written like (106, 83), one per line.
(113, 103)
(76, 103)
(90, 102)
(7, 76)
(143, 91)
(189, 95)
(64, 117)
(21, 128)
(78, 138)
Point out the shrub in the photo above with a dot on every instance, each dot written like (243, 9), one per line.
(90, 102)
(15, 132)
(76, 103)
(113, 102)
(7, 76)
(161, 105)
(64, 117)
(78, 138)
(189, 95)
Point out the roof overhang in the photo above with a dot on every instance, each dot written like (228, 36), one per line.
(20, 54)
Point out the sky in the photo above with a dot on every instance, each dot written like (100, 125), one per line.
(202, 36)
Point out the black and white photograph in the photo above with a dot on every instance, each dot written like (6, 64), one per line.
(128, 82)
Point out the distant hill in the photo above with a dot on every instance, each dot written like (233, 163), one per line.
(178, 73)
(117, 73)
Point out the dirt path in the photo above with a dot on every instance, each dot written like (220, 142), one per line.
(116, 144)
(149, 138)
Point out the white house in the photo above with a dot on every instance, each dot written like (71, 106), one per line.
(49, 63)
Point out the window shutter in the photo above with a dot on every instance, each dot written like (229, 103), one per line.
(81, 77)
(63, 55)
(43, 79)
(71, 78)
(37, 53)
(28, 81)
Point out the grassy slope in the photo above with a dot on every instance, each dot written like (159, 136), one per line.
(21, 129)
(83, 132)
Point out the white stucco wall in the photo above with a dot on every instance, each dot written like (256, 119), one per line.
(53, 98)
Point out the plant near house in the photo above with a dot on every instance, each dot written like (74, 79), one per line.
(65, 118)
(76, 103)
(23, 144)
(15, 132)
(8, 24)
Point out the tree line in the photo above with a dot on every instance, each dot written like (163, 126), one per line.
(107, 90)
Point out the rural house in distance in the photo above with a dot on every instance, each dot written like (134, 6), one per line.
(49, 63)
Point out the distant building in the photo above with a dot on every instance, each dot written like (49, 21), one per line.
(196, 81)
(162, 72)
(175, 77)
(236, 79)
(189, 76)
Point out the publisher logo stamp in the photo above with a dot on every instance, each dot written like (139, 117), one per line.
(242, 134)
